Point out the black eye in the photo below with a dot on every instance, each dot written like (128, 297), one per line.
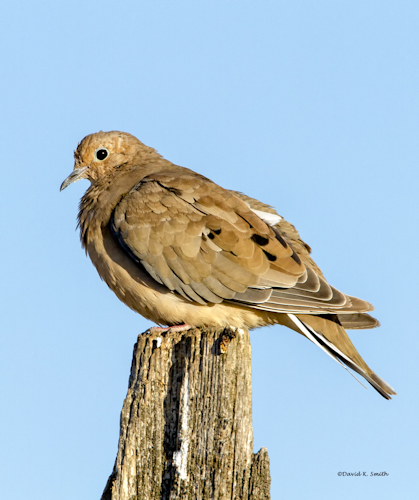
(101, 154)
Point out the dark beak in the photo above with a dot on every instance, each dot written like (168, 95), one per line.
(76, 175)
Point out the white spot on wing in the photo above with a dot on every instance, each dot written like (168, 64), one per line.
(270, 219)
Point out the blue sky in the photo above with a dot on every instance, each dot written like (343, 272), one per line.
(309, 106)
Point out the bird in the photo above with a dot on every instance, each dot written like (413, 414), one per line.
(184, 252)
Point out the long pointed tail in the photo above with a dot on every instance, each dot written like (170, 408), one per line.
(332, 338)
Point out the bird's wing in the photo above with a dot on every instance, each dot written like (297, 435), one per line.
(206, 244)
(350, 317)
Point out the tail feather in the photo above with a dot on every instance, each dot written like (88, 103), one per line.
(357, 321)
(345, 354)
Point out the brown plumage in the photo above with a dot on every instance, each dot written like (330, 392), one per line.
(177, 248)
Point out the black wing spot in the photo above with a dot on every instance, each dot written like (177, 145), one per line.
(296, 258)
(279, 237)
(260, 240)
(271, 257)
(211, 236)
(216, 231)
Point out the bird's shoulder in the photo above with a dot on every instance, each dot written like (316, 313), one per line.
(287, 230)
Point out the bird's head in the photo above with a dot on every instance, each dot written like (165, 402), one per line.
(99, 154)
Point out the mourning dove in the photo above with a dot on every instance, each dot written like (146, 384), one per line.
(179, 249)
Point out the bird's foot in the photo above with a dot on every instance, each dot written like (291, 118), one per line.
(174, 328)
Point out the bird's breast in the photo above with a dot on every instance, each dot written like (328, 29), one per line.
(139, 291)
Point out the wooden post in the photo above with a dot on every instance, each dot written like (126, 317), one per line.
(186, 424)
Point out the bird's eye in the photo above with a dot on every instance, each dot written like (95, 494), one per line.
(101, 154)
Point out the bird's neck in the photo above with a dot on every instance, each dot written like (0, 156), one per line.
(99, 201)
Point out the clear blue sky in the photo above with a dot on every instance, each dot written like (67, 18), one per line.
(310, 106)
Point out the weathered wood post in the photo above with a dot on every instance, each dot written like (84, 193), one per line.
(186, 424)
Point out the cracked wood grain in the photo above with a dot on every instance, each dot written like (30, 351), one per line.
(186, 424)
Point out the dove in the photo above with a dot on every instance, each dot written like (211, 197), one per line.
(184, 252)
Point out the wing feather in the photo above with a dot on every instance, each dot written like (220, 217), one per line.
(211, 245)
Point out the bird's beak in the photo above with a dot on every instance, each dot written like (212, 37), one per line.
(76, 175)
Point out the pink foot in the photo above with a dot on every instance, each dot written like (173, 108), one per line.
(174, 328)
